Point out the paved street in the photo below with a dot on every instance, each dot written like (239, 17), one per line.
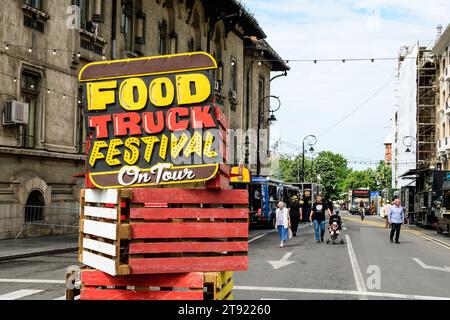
(309, 270)
(322, 271)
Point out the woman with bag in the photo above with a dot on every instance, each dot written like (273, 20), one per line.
(282, 223)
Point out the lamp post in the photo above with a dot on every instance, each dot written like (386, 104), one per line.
(311, 141)
(313, 157)
(268, 121)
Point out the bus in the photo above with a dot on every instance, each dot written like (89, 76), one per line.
(357, 196)
(264, 195)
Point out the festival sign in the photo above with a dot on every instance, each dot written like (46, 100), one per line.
(151, 121)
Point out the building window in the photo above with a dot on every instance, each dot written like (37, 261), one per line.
(84, 8)
(191, 45)
(34, 209)
(37, 4)
(126, 26)
(197, 32)
(30, 83)
(163, 37)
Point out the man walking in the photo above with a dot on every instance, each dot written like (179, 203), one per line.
(318, 216)
(295, 214)
(396, 217)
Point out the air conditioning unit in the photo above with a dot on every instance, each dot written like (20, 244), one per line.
(15, 113)
(217, 86)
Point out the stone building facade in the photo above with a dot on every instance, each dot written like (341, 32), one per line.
(441, 52)
(44, 44)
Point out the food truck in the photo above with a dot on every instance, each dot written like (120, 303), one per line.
(357, 196)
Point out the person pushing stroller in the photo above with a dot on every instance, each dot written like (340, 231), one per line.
(334, 228)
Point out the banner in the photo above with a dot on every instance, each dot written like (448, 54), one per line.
(151, 121)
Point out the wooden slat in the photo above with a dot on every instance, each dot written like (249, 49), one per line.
(160, 230)
(172, 247)
(111, 294)
(187, 213)
(101, 196)
(189, 196)
(185, 280)
(99, 262)
(100, 229)
(187, 264)
(98, 246)
(98, 212)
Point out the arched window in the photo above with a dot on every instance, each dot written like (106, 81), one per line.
(197, 32)
(163, 37)
(218, 55)
(173, 39)
(34, 209)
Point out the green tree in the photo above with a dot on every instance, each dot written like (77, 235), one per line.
(330, 170)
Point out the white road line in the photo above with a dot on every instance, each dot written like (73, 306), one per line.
(18, 294)
(344, 292)
(61, 298)
(33, 281)
(360, 285)
(261, 235)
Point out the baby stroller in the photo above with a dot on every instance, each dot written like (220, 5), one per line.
(334, 228)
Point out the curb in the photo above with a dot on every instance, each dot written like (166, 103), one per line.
(38, 253)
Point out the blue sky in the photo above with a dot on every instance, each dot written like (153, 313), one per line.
(315, 96)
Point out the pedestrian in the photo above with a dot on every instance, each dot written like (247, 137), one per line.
(372, 208)
(385, 213)
(282, 222)
(396, 217)
(295, 213)
(317, 215)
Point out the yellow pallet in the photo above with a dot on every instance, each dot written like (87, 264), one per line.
(219, 285)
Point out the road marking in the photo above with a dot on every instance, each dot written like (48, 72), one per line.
(18, 294)
(360, 285)
(423, 265)
(344, 292)
(61, 298)
(33, 281)
(260, 236)
(283, 262)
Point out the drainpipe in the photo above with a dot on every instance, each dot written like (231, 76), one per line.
(113, 29)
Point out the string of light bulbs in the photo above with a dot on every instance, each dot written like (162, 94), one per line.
(49, 90)
(54, 51)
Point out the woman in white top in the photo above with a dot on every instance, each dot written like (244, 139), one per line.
(282, 222)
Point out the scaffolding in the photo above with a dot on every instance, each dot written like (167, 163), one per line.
(426, 107)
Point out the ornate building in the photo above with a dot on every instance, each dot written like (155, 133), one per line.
(44, 44)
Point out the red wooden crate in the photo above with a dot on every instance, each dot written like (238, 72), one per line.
(203, 235)
(166, 231)
(97, 285)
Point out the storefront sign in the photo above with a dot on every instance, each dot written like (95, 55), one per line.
(151, 121)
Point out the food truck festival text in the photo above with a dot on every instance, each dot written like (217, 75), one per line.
(158, 129)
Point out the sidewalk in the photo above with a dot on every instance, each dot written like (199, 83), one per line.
(31, 247)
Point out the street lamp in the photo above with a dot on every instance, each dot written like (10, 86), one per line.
(268, 121)
(311, 141)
